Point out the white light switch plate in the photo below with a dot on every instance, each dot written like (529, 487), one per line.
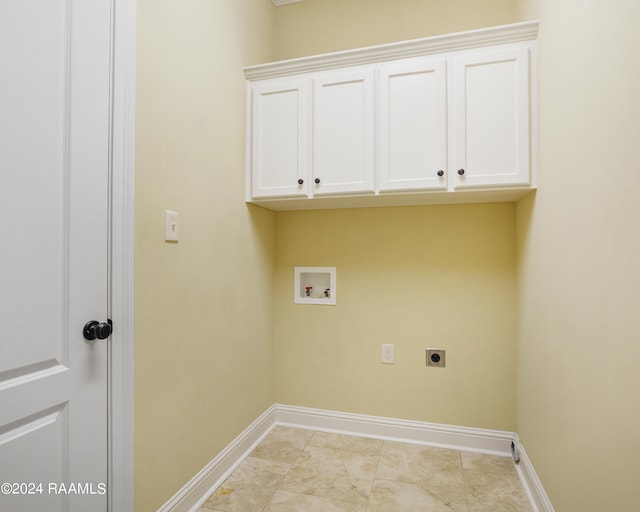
(171, 226)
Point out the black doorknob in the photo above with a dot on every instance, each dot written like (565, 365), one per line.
(300, 181)
(440, 173)
(317, 180)
(95, 330)
(460, 172)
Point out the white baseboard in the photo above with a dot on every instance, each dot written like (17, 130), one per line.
(199, 488)
(495, 442)
(531, 483)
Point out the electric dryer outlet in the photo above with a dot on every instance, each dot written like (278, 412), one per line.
(436, 357)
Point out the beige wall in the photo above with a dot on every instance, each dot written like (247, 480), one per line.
(411, 277)
(320, 26)
(207, 308)
(578, 251)
(203, 322)
(417, 277)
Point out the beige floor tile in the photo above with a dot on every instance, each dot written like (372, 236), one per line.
(285, 501)
(362, 445)
(488, 463)
(418, 464)
(388, 496)
(435, 471)
(331, 473)
(495, 492)
(410, 462)
(298, 470)
(249, 488)
(283, 444)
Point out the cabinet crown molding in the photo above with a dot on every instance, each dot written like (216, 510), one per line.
(278, 3)
(413, 48)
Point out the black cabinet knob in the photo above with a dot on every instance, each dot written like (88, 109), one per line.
(440, 173)
(317, 180)
(300, 181)
(460, 172)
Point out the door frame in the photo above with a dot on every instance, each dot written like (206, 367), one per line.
(120, 356)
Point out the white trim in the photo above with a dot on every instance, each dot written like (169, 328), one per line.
(248, 146)
(417, 47)
(201, 486)
(121, 343)
(537, 496)
(496, 442)
(278, 3)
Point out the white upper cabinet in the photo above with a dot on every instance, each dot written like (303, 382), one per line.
(491, 120)
(412, 144)
(343, 131)
(446, 119)
(279, 131)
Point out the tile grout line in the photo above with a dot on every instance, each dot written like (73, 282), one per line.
(375, 476)
(279, 487)
(465, 482)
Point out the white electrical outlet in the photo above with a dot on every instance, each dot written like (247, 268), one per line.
(387, 353)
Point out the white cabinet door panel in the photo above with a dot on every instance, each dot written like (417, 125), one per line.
(492, 129)
(413, 125)
(343, 133)
(279, 132)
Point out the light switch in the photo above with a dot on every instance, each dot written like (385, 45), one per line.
(171, 226)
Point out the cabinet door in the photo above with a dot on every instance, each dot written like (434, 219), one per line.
(279, 132)
(343, 132)
(413, 125)
(491, 101)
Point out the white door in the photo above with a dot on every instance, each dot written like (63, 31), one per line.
(279, 139)
(491, 122)
(413, 125)
(54, 191)
(343, 133)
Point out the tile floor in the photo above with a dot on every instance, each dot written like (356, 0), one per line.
(297, 470)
